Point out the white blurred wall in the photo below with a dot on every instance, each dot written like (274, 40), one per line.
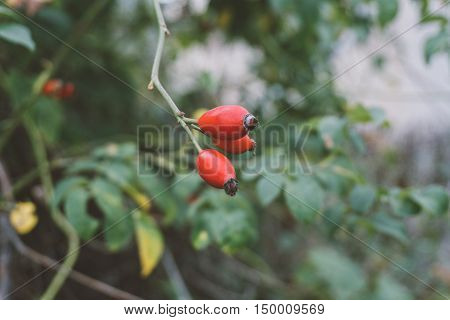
(414, 95)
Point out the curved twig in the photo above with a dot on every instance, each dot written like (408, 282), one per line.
(195, 127)
(5, 250)
(79, 277)
(156, 83)
(5, 260)
(175, 276)
(59, 219)
(190, 120)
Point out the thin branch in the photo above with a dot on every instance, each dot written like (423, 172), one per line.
(40, 152)
(195, 127)
(190, 120)
(59, 219)
(175, 276)
(5, 260)
(155, 82)
(79, 277)
(5, 250)
(5, 184)
(212, 289)
(27, 178)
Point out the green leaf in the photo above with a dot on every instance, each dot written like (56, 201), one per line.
(64, 186)
(229, 229)
(334, 182)
(229, 223)
(344, 278)
(200, 239)
(118, 225)
(159, 194)
(280, 6)
(152, 183)
(186, 185)
(335, 213)
(118, 172)
(112, 150)
(149, 241)
(18, 34)
(82, 166)
(221, 201)
(56, 18)
(269, 187)
(357, 141)
(346, 169)
(16, 83)
(362, 198)
(359, 114)
(4, 11)
(387, 10)
(49, 118)
(433, 199)
(75, 207)
(437, 43)
(428, 17)
(388, 288)
(391, 227)
(304, 197)
(402, 204)
(331, 130)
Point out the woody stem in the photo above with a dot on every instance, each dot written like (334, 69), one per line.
(155, 82)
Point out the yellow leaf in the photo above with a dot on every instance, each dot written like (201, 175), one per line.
(149, 241)
(201, 240)
(142, 201)
(23, 217)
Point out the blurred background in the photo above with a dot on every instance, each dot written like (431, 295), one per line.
(369, 78)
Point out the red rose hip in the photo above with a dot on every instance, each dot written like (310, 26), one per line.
(237, 146)
(67, 90)
(227, 122)
(52, 87)
(217, 171)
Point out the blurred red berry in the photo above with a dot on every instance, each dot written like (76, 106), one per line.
(56, 88)
(67, 90)
(52, 87)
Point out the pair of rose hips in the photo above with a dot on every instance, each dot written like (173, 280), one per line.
(228, 126)
(56, 88)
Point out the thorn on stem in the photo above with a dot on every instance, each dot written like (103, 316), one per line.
(150, 86)
(180, 114)
(166, 31)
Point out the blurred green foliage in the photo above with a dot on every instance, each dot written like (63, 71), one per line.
(288, 226)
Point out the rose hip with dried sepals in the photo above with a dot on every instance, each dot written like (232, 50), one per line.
(217, 171)
(227, 122)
